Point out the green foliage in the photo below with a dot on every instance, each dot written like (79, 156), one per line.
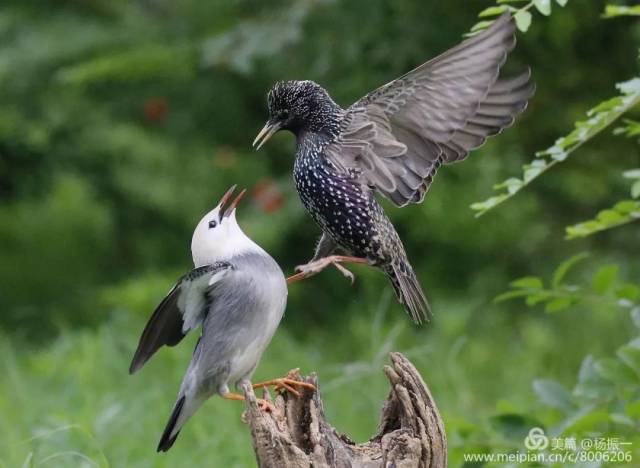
(623, 212)
(619, 214)
(560, 295)
(604, 399)
(613, 11)
(600, 118)
(122, 122)
(520, 9)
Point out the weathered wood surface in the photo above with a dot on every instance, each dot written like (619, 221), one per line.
(410, 434)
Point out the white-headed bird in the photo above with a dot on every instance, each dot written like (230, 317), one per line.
(237, 293)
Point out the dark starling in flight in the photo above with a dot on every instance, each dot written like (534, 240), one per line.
(392, 142)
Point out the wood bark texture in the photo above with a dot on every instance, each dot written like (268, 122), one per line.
(297, 435)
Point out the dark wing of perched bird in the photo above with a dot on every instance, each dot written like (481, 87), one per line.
(398, 135)
(180, 311)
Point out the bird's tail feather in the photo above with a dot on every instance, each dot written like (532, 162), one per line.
(184, 408)
(408, 290)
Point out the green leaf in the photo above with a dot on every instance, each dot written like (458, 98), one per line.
(527, 282)
(635, 189)
(630, 354)
(553, 394)
(511, 185)
(596, 388)
(493, 11)
(534, 299)
(628, 292)
(631, 128)
(621, 213)
(481, 25)
(523, 20)
(28, 462)
(587, 369)
(482, 207)
(627, 206)
(563, 269)
(533, 170)
(610, 217)
(543, 6)
(558, 304)
(615, 371)
(587, 421)
(505, 296)
(612, 11)
(605, 278)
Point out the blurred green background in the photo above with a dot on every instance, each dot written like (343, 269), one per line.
(121, 123)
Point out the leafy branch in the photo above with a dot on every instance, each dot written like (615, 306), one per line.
(557, 294)
(522, 14)
(600, 118)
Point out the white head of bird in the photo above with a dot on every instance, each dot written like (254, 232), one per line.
(218, 236)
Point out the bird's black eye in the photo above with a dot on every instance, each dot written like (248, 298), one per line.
(284, 114)
(213, 223)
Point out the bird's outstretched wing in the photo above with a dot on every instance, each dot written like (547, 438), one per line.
(397, 136)
(181, 311)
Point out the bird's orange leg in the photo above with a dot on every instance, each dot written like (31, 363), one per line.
(316, 266)
(264, 404)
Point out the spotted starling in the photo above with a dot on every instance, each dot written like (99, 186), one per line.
(391, 142)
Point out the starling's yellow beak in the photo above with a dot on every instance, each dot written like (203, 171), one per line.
(267, 132)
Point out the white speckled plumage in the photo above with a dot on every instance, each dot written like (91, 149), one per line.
(391, 142)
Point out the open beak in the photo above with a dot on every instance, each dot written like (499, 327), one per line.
(267, 132)
(234, 203)
(225, 213)
(225, 197)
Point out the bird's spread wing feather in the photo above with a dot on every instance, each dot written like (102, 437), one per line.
(180, 311)
(397, 136)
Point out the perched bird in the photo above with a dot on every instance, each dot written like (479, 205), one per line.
(237, 293)
(391, 142)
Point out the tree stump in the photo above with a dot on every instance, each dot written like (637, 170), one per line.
(297, 435)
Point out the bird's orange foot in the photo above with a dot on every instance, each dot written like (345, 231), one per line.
(264, 405)
(287, 384)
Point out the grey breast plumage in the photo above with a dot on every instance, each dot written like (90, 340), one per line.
(239, 304)
(397, 136)
(245, 309)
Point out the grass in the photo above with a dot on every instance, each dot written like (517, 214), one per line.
(70, 402)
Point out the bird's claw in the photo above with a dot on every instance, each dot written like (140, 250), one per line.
(316, 266)
(308, 269)
(288, 384)
(344, 271)
(285, 384)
